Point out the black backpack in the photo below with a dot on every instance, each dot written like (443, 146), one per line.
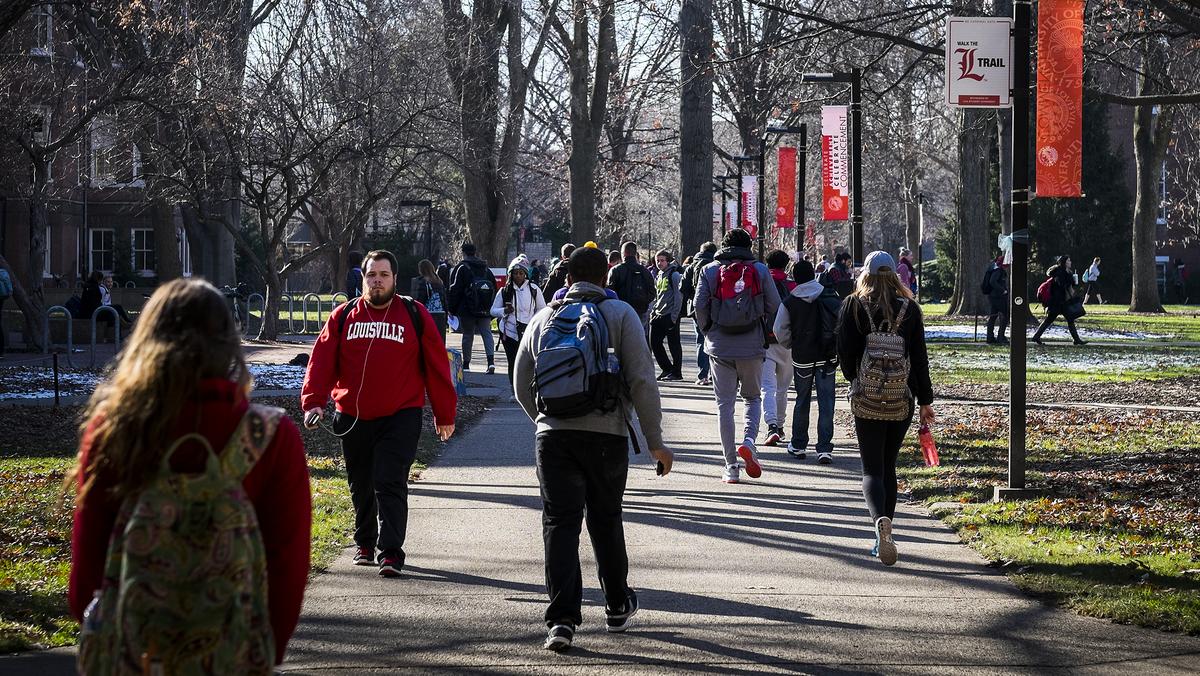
(986, 285)
(634, 286)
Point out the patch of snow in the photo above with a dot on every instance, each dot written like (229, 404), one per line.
(1056, 331)
(16, 381)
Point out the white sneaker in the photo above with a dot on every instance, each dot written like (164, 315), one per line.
(796, 452)
(732, 474)
(887, 546)
(491, 369)
(749, 454)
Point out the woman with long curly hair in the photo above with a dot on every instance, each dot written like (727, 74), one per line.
(193, 509)
(881, 303)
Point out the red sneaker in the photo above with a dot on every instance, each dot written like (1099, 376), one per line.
(390, 565)
(749, 454)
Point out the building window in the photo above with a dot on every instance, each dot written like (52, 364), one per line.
(143, 251)
(100, 250)
(40, 123)
(1162, 196)
(43, 30)
(46, 261)
(114, 163)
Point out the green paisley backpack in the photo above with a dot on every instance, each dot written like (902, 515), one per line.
(185, 584)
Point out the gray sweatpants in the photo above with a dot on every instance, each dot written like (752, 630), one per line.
(776, 381)
(732, 378)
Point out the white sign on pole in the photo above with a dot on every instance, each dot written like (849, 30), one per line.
(979, 62)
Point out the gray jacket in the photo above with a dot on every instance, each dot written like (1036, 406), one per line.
(628, 340)
(717, 343)
(668, 301)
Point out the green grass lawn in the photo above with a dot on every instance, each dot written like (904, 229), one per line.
(35, 519)
(1117, 534)
(1178, 323)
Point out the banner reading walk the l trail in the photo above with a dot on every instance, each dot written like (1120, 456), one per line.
(835, 163)
(1059, 145)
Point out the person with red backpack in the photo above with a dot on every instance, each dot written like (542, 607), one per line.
(379, 357)
(735, 300)
(190, 541)
(1057, 293)
(777, 369)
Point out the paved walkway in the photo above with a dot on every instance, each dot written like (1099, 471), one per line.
(765, 576)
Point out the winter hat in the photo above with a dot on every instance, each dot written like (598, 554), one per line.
(879, 259)
(519, 262)
(802, 271)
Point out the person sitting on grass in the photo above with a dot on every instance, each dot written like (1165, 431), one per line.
(190, 542)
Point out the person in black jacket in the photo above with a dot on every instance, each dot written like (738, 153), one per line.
(1062, 293)
(473, 305)
(996, 287)
(880, 293)
(428, 290)
(89, 300)
(558, 273)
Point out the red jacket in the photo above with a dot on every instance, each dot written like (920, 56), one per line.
(385, 341)
(277, 486)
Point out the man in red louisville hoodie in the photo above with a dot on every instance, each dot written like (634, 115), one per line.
(378, 364)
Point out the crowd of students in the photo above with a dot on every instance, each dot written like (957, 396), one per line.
(182, 481)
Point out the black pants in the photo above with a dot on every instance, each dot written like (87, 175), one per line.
(878, 445)
(665, 327)
(379, 454)
(510, 352)
(1051, 315)
(998, 317)
(582, 472)
(3, 335)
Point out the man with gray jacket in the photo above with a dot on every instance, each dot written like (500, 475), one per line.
(728, 285)
(583, 462)
(664, 317)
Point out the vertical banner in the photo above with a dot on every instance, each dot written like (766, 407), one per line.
(718, 200)
(1060, 98)
(750, 205)
(810, 234)
(835, 162)
(730, 214)
(785, 210)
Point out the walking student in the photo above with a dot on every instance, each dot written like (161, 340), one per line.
(806, 326)
(777, 369)
(633, 283)
(995, 287)
(582, 437)
(687, 286)
(172, 431)
(558, 272)
(1092, 279)
(379, 356)
(665, 316)
(472, 290)
(519, 299)
(428, 290)
(878, 321)
(734, 300)
(1061, 300)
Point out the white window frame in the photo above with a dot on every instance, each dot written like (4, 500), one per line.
(43, 19)
(43, 137)
(134, 251)
(46, 274)
(102, 139)
(92, 250)
(1162, 195)
(185, 253)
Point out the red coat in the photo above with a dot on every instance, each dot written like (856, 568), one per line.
(373, 367)
(277, 486)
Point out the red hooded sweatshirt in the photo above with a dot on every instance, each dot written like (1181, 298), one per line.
(375, 367)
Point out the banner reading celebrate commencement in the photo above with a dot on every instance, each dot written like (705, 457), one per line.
(835, 163)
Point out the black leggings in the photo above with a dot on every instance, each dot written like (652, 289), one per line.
(510, 351)
(879, 444)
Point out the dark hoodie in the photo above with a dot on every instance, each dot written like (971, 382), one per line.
(470, 268)
(691, 279)
(1062, 288)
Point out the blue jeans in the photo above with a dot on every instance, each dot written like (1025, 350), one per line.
(803, 379)
(701, 355)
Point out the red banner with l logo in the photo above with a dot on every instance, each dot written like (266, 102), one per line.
(1059, 148)
(785, 210)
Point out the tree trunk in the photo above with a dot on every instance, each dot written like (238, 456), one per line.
(1151, 133)
(589, 106)
(269, 330)
(34, 307)
(33, 315)
(974, 250)
(695, 125)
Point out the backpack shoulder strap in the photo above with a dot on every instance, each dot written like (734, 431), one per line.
(870, 312)
(904, 305)
(350, 306)
(250, 440)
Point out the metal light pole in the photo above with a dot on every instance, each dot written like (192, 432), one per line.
(920, 245)
(854, 79)
(1018, 283)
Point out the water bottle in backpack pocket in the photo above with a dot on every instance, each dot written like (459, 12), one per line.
(880, 392)
(738, 303)
(575, 371)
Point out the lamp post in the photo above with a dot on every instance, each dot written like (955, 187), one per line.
(920, 245)
(854, 78)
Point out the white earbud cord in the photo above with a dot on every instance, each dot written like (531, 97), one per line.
(358, 397)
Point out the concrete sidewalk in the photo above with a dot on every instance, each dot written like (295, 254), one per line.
(770, 575)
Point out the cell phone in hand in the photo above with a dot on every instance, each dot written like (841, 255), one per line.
(311, 418)
(658, 469)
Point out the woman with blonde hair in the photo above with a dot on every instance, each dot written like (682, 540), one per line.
(190, 543)
(881, 346)
(429, 290)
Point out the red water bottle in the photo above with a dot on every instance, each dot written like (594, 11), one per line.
(928, 448)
